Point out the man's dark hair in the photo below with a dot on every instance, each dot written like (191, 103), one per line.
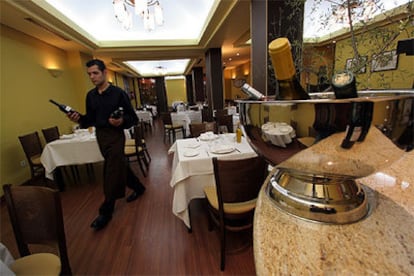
(98, 62)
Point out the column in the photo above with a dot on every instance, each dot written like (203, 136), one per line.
(198, 84)
(189, 88)
(214, 79)
(162, 103)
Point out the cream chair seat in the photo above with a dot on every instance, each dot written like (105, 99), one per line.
(37, 264)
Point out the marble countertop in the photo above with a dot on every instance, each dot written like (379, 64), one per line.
(380, 244)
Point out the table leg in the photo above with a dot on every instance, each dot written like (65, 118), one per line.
(58, 176)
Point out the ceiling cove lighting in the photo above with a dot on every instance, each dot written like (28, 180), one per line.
(149, 10)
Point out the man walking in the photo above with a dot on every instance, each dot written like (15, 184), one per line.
(101, 102)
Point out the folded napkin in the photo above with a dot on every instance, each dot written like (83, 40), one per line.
(67, 136)
(208, 136)
(222, 148)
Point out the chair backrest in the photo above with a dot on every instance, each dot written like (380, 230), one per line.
(210, 126)
(31, 144)
(36, 216)
(221, 112)
(225, 120)
(239, 180)
(166, 118)
(197, 128)
(51, 134)
(139, 134)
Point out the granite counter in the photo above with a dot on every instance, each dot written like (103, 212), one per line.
(380, 244)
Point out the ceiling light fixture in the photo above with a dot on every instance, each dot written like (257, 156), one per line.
(150, 17)
(160, 70)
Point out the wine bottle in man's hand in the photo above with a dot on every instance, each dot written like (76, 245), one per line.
(64, 108)
(117, 113)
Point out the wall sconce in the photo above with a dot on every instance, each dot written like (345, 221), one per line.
(55, 72)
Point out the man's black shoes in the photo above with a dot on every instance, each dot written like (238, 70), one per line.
(100, 222)
(135, 194)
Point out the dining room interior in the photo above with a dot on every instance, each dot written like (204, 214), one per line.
(186, 66)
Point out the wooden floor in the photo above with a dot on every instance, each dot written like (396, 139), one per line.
(144, 237)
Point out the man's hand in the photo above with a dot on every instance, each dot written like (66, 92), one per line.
(116, 122)
(74, 116)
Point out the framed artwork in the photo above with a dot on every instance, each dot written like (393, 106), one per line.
(350, 64)
(385, 61)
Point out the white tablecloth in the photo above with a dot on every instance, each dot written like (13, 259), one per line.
(154, 110)
(191, 174)
(231, 110)
(278, 133)
(144, 116)
(186, 118)
(73, 151)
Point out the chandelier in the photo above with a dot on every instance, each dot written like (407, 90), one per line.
(150, 12)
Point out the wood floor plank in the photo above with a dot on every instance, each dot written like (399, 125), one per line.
(144, 237)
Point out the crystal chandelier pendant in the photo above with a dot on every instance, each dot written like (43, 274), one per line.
(150, 17)
(159, 18)
(140, 7)
(149, 21)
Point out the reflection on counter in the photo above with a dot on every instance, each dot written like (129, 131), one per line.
(314, 120)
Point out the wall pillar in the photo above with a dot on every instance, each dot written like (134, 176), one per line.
(198, 84)
(214, 79)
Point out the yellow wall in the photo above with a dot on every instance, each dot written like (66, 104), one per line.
(25, 89)
(368, 45)
(176, 90)
(26, 86)
(240, 72)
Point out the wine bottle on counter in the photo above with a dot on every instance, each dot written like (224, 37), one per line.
(253, 93)
(281, 55)
(64, 108)
(118, 113)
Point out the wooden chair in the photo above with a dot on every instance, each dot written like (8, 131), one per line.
(32, 148)
(36, 217)
(170, 129)
(137, 149)
(139, 130)
(51, 134)
(225, 120)
(211, 126)
(196, 129)
(231, 202)
(221, 112)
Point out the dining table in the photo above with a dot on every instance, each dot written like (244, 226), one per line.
(153, 109)
(192, 167)
(186, 118)
(145, 116)
(70, 149)
(278, 133)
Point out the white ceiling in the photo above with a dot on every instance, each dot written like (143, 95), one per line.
(319, 22)
(185, 21)
(185, 35)
(190, 28)
(184, 24)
